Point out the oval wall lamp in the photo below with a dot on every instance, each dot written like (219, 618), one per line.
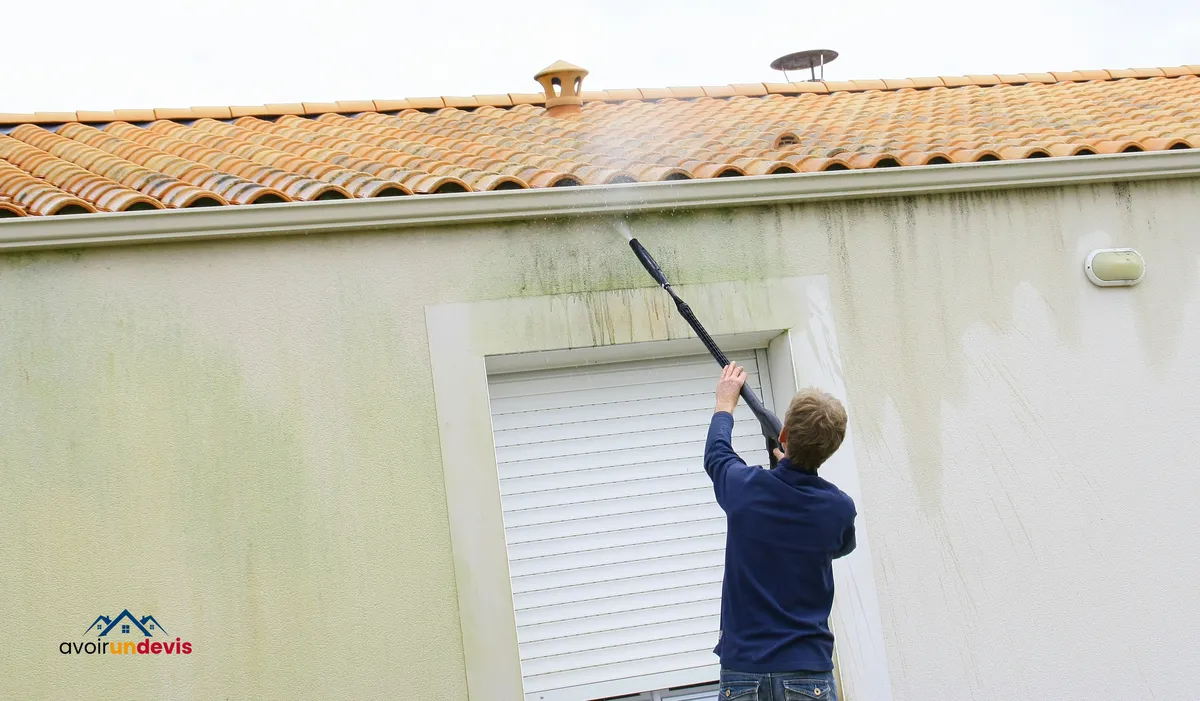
(1112, 267)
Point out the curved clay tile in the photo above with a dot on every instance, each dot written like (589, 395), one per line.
(1070, 150)
(1026, 151)
(255, 163)
(479, 181)
(1163, 144)
(817, 164)
(99, 191)
(548, 178)
(414, 154)
(648, 173)
(872, 160)
(9, 208)
(427, 183)
(672, 138)
(182, 157)
(72, 143)
(973, 155)
(1118, 146)
(778, 168)
(705, 170)
(924, 158)
(597, 175)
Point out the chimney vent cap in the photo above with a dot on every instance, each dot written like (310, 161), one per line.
(562, 83)
(561, 67)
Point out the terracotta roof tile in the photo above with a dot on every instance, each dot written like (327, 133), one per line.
(135, 115)
(29, 194)
(320, 107)
(53, 117)
(173, 113)
(355, 106)
(527, 98)
(1062, 76)
(425, 103)
(187, 157)
(953, 81)
(927, 82)
(90, 116)
(749, 89)
(245, 110)
(869, 85)
(794, 88)
(624, 95)
(9, 208)
(720, 91)
(460, 102)
(656, 93)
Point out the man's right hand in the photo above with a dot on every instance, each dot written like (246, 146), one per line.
(729, 387)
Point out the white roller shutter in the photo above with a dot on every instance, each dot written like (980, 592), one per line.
(615, 542)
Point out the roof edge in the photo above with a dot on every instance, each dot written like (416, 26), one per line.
(206, 224)
(612, 95)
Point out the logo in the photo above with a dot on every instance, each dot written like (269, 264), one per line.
(127, 635)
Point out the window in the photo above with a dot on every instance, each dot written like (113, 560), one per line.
(615, 542)
(125, 628)
(151, 626)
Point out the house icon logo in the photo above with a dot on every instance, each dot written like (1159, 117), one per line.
(126, 634)
(126, 624)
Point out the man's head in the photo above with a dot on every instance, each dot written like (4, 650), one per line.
(813, 428)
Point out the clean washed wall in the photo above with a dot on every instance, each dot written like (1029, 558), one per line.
(239, 438)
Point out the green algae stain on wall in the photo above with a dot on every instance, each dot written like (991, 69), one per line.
(145, 477)
(142, 465)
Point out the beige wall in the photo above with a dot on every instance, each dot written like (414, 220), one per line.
(240, 438)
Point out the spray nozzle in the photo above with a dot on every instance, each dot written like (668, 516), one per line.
(647, 262)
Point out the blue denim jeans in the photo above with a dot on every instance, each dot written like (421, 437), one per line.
(777, 686)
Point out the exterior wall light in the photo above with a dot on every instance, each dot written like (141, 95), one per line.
(1112, 267)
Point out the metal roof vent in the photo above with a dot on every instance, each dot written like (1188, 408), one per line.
(562, 82)
(811, 59)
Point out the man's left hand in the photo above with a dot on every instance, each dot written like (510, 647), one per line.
(729, 387)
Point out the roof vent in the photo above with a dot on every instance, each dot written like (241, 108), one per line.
(562, 82)
(811, 59)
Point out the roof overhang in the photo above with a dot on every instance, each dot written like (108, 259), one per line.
(161, 226)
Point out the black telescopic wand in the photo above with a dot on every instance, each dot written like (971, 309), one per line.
(771, 426)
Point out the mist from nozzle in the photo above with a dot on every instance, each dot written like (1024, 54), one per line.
(623, 227)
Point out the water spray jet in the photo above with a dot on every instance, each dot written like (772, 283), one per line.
(771, 425)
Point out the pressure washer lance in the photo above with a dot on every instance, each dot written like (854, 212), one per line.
(771, 426)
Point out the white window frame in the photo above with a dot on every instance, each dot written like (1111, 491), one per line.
(795, 318)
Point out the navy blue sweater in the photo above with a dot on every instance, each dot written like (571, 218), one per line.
(785, 528)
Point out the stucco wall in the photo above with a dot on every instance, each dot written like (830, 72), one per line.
(240, 438)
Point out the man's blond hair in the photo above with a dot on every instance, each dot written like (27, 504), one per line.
(816, 425)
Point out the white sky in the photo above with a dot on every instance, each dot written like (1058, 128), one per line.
(71, 54)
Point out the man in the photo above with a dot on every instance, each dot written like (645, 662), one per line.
(785, 527)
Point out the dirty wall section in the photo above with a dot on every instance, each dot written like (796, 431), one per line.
(239, 437)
